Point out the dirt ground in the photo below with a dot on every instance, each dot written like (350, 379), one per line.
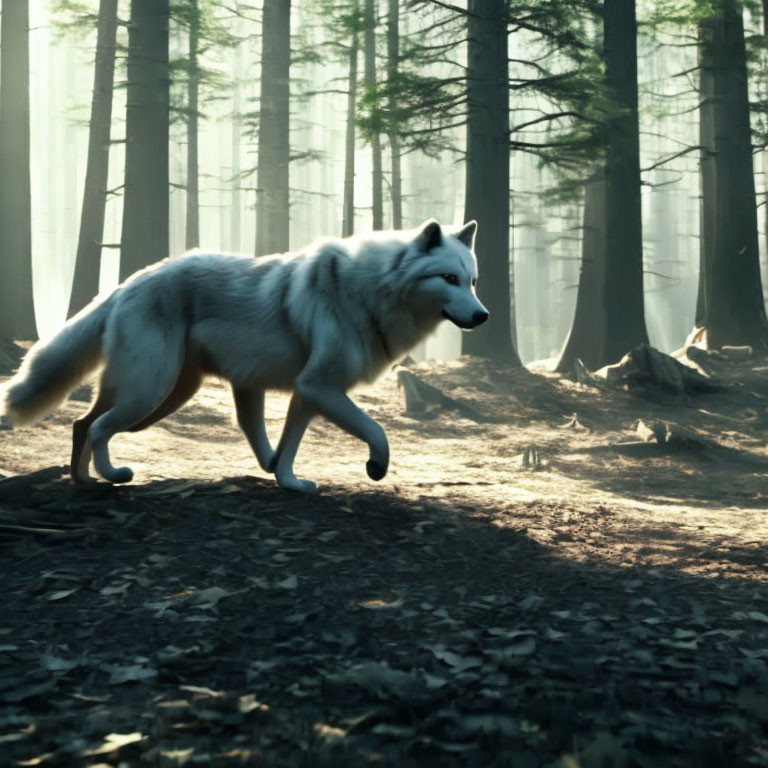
(605, 605)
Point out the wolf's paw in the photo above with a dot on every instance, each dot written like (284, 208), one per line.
(120, 475)
(376, 470)
(300, 486)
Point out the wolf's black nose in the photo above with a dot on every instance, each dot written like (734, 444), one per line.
(479, 317)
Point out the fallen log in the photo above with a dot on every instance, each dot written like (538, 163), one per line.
(420, 397)
(645, 367)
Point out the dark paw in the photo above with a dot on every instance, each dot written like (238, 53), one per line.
(120, 475)
(375, 470)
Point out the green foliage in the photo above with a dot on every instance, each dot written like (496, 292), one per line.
(212, 29)
(424, 107)
(74, 19)
(683, 17)
(559, 104)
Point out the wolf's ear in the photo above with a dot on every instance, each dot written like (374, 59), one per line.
(467, 233)
(430, 235)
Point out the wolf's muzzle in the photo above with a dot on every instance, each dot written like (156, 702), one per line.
(477, 319)
(480, 317)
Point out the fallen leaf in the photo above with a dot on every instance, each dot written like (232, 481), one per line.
(459, 663)
(489, 723)
(130, 674)
(511, 653)
(57, 664)
(531, 601)
(434, 683)
(378, 604)
(209, 598)
(114, 741)
(61, 594)
(289, 583)
(376, 677)
(329, 734)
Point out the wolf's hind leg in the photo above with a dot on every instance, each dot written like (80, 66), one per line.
(141, 379)
(300, 414)
(186, 386)
(81, 438)
(250, 416)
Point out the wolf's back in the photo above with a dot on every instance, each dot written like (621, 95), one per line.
(53, 368)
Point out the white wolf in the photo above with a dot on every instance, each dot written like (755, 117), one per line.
(316, 322)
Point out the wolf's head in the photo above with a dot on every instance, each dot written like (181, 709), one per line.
(442, 275)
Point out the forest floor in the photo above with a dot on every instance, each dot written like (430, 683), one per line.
(605, 605)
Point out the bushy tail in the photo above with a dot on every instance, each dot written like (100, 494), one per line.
(53, 368)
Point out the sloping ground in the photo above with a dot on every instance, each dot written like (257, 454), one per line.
(605, 606)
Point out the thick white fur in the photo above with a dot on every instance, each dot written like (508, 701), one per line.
(316, 322)
(53, 368)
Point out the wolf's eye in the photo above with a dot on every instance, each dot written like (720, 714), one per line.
(451, 279)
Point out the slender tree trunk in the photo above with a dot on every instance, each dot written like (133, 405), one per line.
(487, 175)
(145, 232)
(707, 179)
(272, 193)
(17, 309)
(393, 62)
(765, 151)
(192, 239)
(585, 338)
(235, 223)
(733, 301)
(370, 84)
(623, 301)
(348, 219)
(85, 284)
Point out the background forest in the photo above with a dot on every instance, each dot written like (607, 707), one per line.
(634, 135)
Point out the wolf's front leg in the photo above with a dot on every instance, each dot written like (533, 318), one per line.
(250, 416)
(300, 414)
(334, 403)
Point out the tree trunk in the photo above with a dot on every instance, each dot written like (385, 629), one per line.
(393, 60)
(765, 162)
(348, 219)
(192, 238)
(585, 339)
(272, 193)
(235, 223)
(85, 284)
(145, 235)
(370, 84)
(706, 169)
(17, 309)
(487, 175)
(733, 301)
(623, 304)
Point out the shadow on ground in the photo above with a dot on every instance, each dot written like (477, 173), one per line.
(229, 623)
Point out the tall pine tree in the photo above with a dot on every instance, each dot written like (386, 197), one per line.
(85, 284)
(17, 309)
(730, 302)
(272, 178)
(487, 174)
(146, 200)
